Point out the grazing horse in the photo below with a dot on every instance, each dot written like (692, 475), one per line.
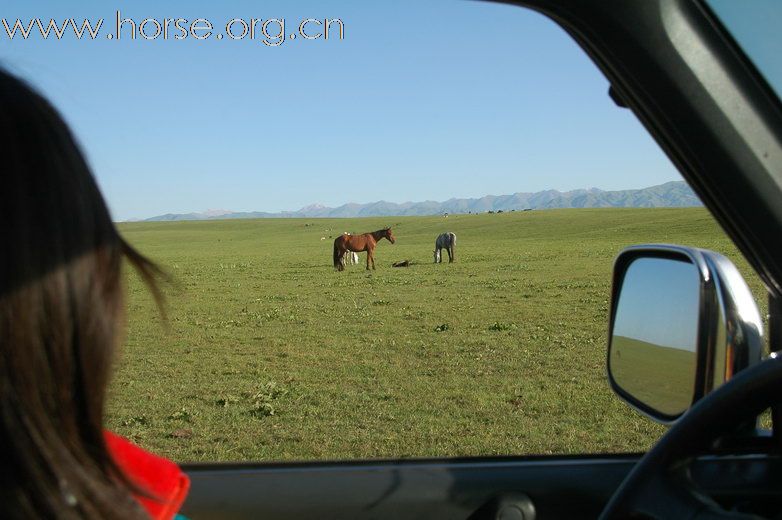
(445, 241)
(358, 243)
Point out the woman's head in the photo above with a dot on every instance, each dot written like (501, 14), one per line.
(60, 312)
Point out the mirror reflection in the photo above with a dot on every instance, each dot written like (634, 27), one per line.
(654, 337)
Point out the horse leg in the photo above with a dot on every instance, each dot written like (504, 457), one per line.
(369, 256)
(450, 255)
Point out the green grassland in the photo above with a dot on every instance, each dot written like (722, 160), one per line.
(661, 377)
(269, 354)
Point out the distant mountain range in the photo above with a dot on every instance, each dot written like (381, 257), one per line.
(670, 194)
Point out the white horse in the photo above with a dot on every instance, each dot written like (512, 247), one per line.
(350, 258)
(445, 241)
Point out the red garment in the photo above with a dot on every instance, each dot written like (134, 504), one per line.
(160, 478)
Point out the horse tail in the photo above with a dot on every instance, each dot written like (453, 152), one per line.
(337, 255)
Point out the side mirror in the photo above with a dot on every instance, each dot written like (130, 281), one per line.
(683, 321)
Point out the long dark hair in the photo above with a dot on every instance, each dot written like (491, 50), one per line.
(60, 312)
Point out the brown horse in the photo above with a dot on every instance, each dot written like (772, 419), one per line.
(358, 243)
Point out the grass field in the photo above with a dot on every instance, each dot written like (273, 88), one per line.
(660, 377)
(272, 355)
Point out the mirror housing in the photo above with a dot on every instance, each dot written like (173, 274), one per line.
(682, 322)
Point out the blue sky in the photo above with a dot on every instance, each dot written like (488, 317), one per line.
(433, 101)
(660, 303)
(755, 25)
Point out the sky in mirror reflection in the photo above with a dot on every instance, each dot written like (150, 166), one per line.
(659, 303)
